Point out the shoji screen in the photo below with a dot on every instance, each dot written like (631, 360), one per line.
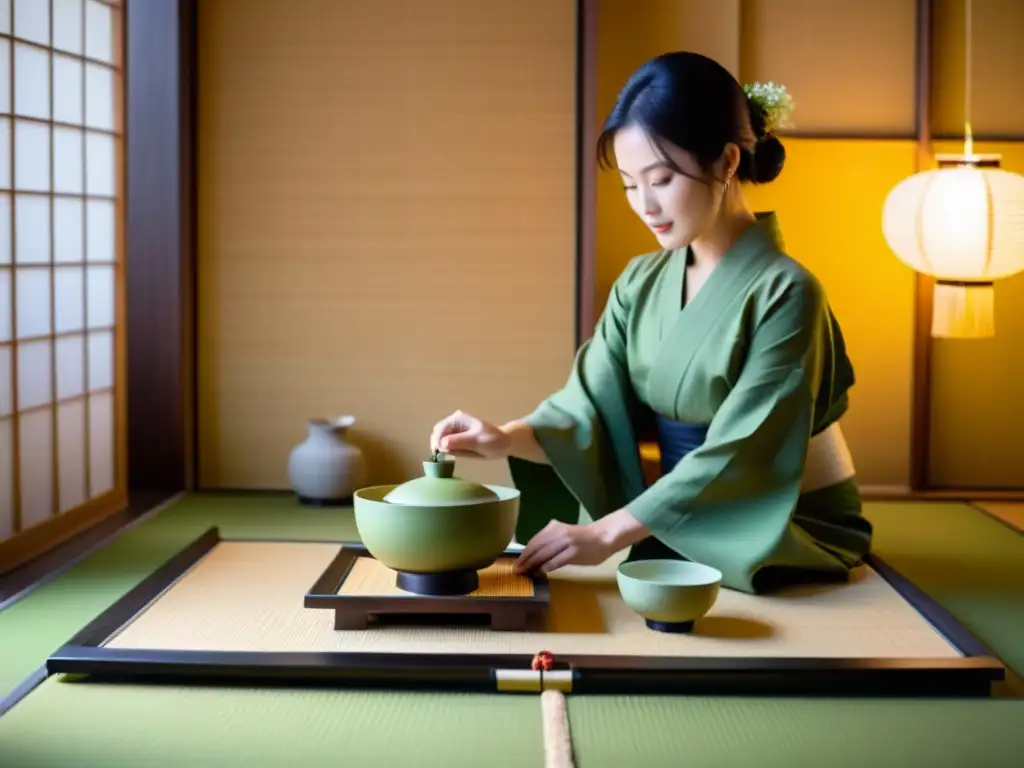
(60, 85)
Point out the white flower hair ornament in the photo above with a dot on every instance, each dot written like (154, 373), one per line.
(774, 102)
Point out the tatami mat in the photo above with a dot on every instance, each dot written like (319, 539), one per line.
(664, 732)
(968, 561)
(37, 625)
(243, 596)
(1011, 513)
(87, 725)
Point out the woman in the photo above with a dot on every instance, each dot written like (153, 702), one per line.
(717, 342)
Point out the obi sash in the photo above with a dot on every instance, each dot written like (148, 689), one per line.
(828, 457)
(676, 439)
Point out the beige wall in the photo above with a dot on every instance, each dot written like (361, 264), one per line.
(342, 191)
(850, 65)
(386, 218)
(996, 62)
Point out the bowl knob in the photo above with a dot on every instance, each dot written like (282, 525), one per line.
(439, 467)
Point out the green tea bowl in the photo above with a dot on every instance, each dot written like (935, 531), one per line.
(670, 595)
(432, 537)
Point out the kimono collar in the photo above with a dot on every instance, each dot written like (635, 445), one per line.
(768, 229)
(764, 234)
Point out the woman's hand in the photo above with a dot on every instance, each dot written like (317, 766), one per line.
(463, 435)
(559, 544)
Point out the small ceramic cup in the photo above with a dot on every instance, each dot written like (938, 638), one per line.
(669, 594)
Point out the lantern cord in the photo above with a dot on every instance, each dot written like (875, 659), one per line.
(968, 132)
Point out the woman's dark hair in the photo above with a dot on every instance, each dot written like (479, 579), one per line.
(695, 103)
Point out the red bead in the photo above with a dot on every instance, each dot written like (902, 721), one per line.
(544, 660)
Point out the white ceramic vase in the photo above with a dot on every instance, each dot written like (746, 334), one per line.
(326, 469)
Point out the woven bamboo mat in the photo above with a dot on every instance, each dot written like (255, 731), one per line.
(370, 577)
(248, 596)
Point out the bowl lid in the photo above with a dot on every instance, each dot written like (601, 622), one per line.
(440, 488)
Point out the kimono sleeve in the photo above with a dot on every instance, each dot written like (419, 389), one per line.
(729, 502)
(585, 430)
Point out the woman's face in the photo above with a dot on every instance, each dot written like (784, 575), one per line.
(676, 208)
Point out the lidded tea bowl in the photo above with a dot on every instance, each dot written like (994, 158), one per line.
(439, 487)
(437, 525)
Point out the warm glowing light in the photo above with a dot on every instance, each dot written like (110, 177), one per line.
(963, 224)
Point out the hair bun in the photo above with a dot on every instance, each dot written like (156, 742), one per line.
(769, 157)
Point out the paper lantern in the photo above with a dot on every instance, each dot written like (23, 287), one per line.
(963, 224)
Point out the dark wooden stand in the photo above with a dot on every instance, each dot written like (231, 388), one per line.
(512, 613)
(509, 614)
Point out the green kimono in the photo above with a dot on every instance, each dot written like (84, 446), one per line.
(756, 357)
